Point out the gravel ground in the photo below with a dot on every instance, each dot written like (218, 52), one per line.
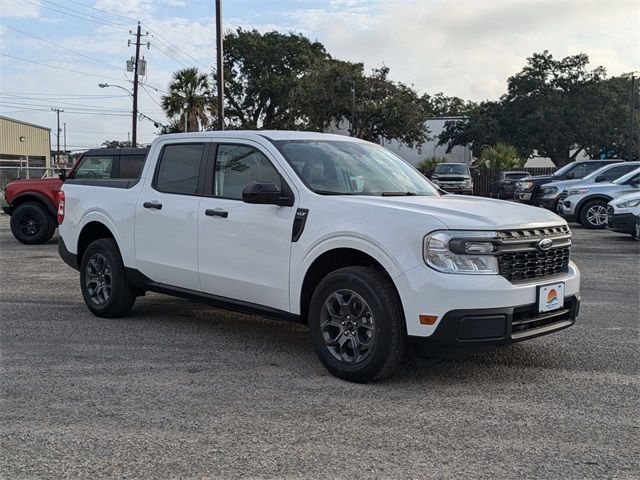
(180, 390)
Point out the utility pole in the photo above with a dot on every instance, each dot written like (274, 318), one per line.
(57, 110)
(632, 119)
(65, 137)
(136, 72)
(219, 65)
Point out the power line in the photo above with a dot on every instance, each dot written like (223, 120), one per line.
(60, 95)
(104, 11)
(70, 106)
(61, 47)
(175, 52)
(78, 72)
(82, 15)
(39, 109)
(149, 95)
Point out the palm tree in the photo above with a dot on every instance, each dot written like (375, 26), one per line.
(500, 157)
(188, 100)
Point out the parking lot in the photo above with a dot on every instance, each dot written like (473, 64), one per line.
(178, 389)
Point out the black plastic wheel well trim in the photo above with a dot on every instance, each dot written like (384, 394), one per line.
(584, 201)
(33, 196)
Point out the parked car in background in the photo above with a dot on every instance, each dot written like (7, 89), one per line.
(327, 230)
(453, 178)
(623, 213)
(32, 203)
(552, 193)
(528, 189)
(587, 203)
(506, 183)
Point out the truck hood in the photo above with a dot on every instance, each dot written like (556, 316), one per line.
(48, 183)
(467, 213)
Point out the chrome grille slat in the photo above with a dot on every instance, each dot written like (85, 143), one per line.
(519, 258)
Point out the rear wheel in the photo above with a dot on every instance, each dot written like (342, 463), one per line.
(357, 325)
(103, 280)
(594, 214)
(32, 224)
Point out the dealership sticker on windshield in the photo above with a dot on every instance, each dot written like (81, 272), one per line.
(550, 297)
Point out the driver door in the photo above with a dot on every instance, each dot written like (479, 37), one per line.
(243, 249)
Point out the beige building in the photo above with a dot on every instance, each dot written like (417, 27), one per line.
(24, 145)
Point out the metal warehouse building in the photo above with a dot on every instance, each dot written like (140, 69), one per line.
(25, 148)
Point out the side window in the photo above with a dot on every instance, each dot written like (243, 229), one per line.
(634, 180)
(131, 165)
(237, 165)
(179, 168)
(616, 172)
(580, 170)
(94, 167)
(592, 167)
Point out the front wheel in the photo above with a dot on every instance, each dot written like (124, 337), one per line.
(103, 280)
(594, 214)
(357, 324)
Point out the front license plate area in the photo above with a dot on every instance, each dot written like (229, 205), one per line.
(550, 297)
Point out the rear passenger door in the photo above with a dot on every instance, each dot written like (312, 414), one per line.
(244, 249)
(166, 223)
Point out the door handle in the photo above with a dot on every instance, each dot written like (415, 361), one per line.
(156, 205)
(216, 213)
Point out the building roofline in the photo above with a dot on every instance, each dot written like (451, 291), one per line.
(2, 117)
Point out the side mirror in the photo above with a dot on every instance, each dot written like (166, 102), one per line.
(63, 174)
(265, 193)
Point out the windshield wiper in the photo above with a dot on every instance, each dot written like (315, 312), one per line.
(398, 194)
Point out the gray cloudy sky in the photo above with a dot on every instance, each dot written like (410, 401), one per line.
(465, 48)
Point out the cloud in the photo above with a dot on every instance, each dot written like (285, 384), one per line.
(13, 8)
(470, 49)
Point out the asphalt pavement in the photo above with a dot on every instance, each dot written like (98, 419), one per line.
(181, 390)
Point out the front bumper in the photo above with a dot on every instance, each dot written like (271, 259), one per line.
(455, 188)
(484, 328)
(566, 209)
(550, 203)
(424, 291)
(524, 197)
(622, 222)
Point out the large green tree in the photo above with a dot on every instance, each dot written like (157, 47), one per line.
(556, 108)
(375, 108)
(260, 72)
(188, 103)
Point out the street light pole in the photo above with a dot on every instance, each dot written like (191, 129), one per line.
(219, 65)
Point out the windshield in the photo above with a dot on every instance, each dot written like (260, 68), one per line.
(451, 168)
(565, 169)
(352, 168)
(625, 178)
(517, 175)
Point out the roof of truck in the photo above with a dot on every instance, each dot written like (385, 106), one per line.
(117, 151)
(269, 134)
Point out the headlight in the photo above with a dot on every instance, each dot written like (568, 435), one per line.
(628, 203)
(453, 251)
(577, 191)
(527, 185)
(467, 183)
(547, 190)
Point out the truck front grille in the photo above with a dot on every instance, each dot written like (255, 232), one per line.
(521, 258)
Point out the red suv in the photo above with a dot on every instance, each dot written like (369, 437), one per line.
(33, 203)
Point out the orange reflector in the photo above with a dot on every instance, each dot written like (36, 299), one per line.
(428, 319)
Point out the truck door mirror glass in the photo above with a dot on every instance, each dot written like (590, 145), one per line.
(264, 193)
(63, 174)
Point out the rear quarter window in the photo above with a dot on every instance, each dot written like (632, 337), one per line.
(131, 165)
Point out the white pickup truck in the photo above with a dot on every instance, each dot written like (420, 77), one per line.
(330, 231)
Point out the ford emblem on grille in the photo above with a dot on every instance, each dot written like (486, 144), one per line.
(545, 245)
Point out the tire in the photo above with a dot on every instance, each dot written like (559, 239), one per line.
(103, 280)
(363, 301)
(32, 224)
(593, 214)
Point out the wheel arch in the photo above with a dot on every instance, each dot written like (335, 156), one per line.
(91, 231)
(37, 197)
(584, 201)
(331, 260)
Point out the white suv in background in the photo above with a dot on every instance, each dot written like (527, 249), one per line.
(587, 203)
(623, 214)
(327, 230)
